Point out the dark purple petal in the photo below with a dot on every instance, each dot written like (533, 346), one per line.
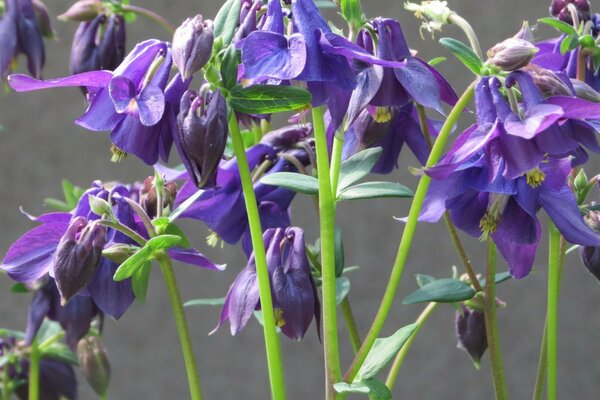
(519, 256)
(268, 54)
(30, 257)
(537, 119)
(134, 138)
(574, 107)
(368, 82)
(293, 295)
(242, 299)
(8, 42)
(38, 309)
(113, 298)
(193, 257)
(420, 83)
(101, 114)
(338, 45)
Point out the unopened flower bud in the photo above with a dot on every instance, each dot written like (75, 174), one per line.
(547, 81)
(30, 39)
(585, 91)
(118, 253)
(148, 198)
(83, 10)
(77, 256)
(560, 9)
(202, 135)
(512, 54)
(192, 45)
(470, 331)
(94, 363)
(525, 33)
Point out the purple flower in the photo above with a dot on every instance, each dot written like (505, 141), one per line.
(295, 300)
(560, 10)
(134, 102)
(491, 206)
(20, 32)
(470, 332)
(192, 45)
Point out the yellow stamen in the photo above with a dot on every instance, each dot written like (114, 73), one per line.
(382, 114)
(535, 177)
(213, 239)
(117, 154)
(279, 321)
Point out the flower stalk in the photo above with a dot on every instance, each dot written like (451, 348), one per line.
(552, 313)
(34, 371)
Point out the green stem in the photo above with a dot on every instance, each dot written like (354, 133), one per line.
(351, 324)
(103, 396)
(182, 326)
(274, 359)
(336, 162)
(407, 236)
(540, 378)
(327, 230)
(491, 325)
(151, 15)
(423, 317)
(34, 371)
(6, 392)
(463, 24)
(552, 313)
(257, 132)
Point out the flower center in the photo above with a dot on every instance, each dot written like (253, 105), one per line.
(491, 219)
(535, 177)
(213, 239)
(382, 114)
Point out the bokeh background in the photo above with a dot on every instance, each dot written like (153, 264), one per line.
(39, 145)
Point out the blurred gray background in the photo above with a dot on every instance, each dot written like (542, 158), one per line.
(39, 145)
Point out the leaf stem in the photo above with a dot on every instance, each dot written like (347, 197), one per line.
(327, 230)
(463, 24)
(34, 371)
(151, 15)
(351, 324)
(423, 317)
(407, 236)
(182, 326)
(552, 313)
(274, 359)
(491, 325)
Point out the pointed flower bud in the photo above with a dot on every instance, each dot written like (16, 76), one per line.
(547, 81)
(77, 256)
(202, 135)
(192, 45)
(585, 91)
(83, 10)
(470, 331)
(512, 54)
(94, 363)
(148, 197)
(525, 33)
(560, 9)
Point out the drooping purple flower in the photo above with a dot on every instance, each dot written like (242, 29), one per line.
(470, 332)
(295, 299)
(559, 9)
(134, 102)
(98, 44)
(488, 205)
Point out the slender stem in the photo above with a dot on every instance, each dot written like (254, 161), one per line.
(460, 249)
(123, 229)
(182, 326)
(6, 392)
(581, 60)
(327, 230)
(336, 162)
(51, 340)
(257, 132)
(151, 15)
(274, 359)
(407, 236)
(552, 313)
(351, 324)
(423, 317)
(491, 325)
(34, 371)
(462, 23)
(540, 378)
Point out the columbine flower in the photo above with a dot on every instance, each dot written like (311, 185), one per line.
(20, 32)
(295, 300)
(98, 44)
(470, 332)
(202, 135)
(487, 205)
(560, 9)
(133, 102)
(192, 45)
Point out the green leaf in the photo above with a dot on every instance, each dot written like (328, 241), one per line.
(382, 352)
(226, 20)
(463, 53)
(500, 277)
(342, 287)
(60, 352)
(129, 16)
(357, 167)
(423, 279)
(374, 190)
(445, 290)
(229, 67)
(558, 24)
(140, 280)
(205, 302)
(325, 4)
(19, 288)
(268, 99)
(133, 263)
(375, 389)
(69, 192)
(569, 43)
(58, 205)
(352, 12)
(162, 242)
(435, 61)
(293, 181)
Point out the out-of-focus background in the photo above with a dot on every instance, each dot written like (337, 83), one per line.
(39, 145)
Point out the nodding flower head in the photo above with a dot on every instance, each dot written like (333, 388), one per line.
(565, 9)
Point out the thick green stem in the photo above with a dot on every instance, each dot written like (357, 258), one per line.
(407, 236)
(185, 339)
(491, 325)
(34, 371)
(552, 313)
(152, 16)
(463, 24)
(351, 324)
(327, 230)
(274, 359)
(540, 378)
(423, 317)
